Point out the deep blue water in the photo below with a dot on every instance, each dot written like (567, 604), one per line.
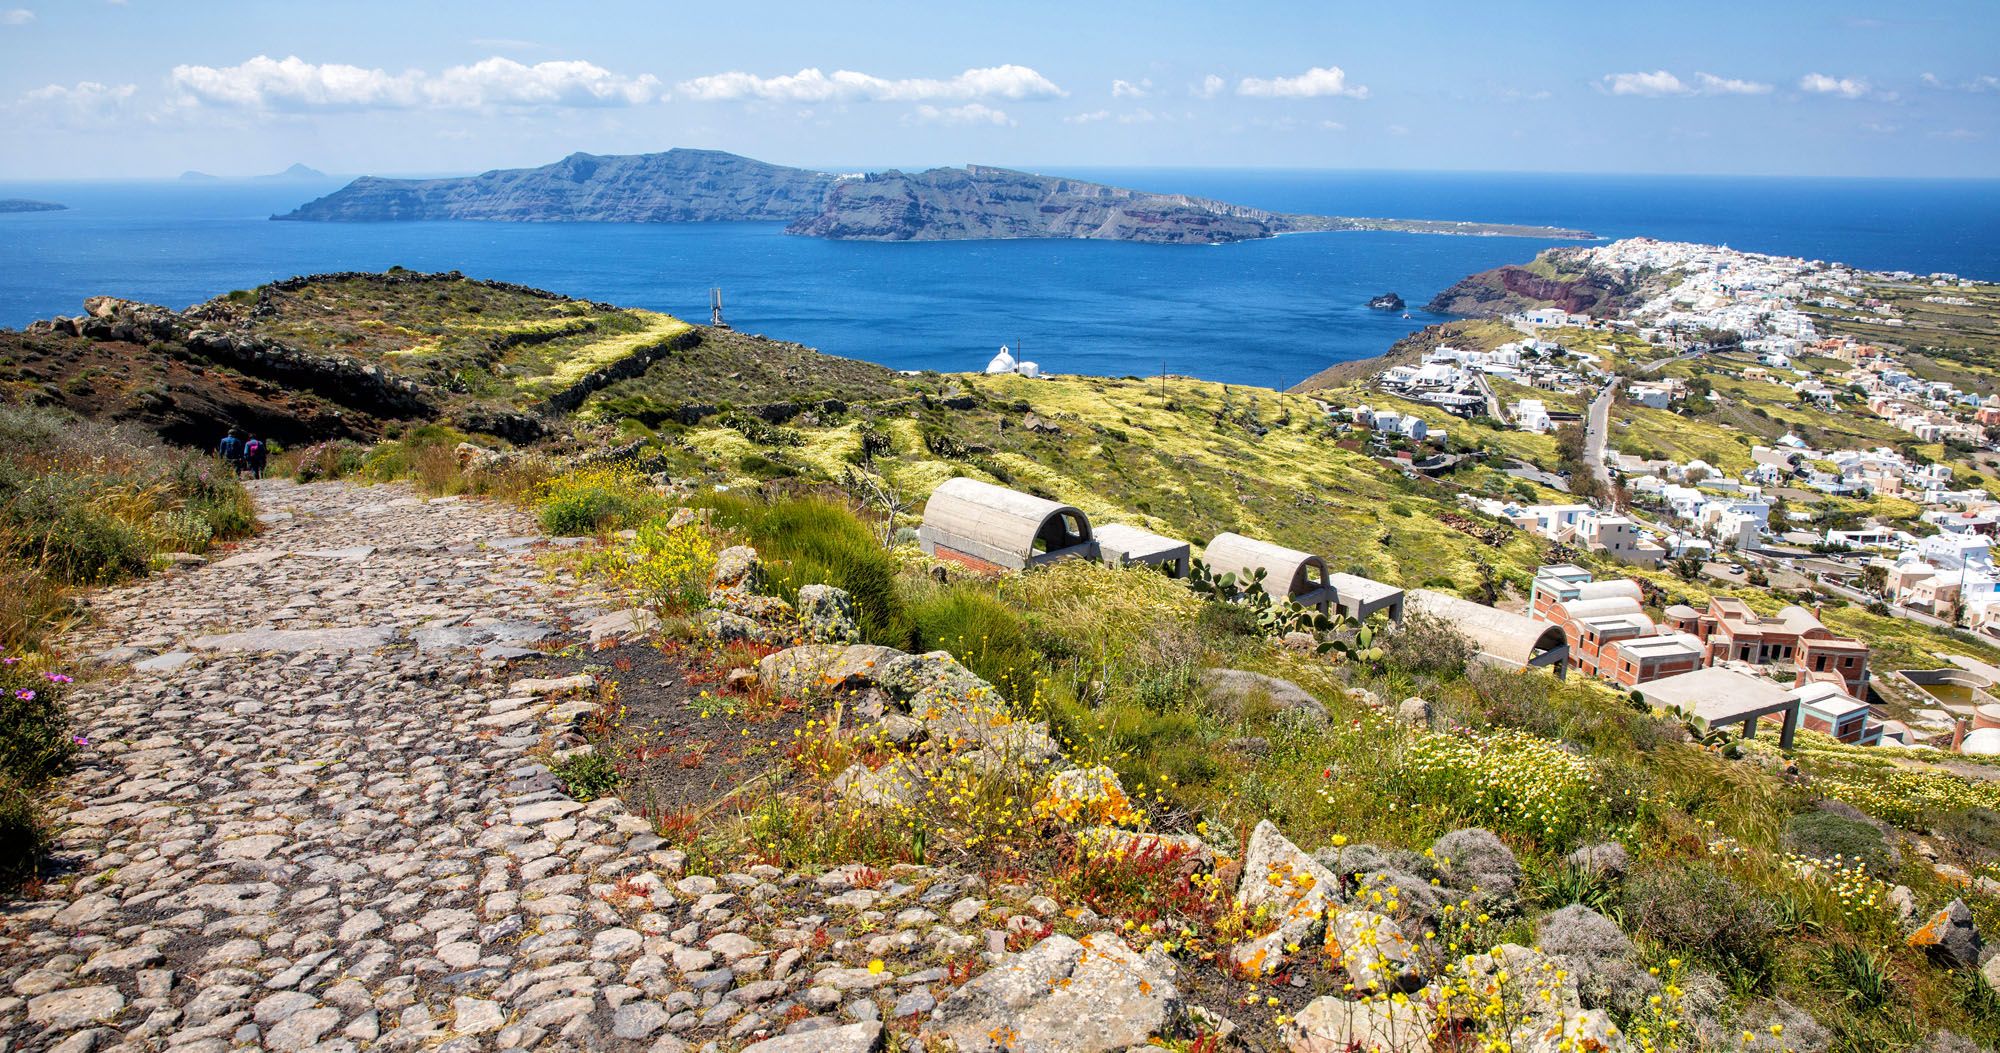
(1267, 312)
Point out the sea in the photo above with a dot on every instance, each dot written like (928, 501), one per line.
(1266, 313)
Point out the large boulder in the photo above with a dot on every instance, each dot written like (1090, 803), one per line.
(936, 682)
(1474, 858)
(1087, 796)
(1234, 690)
(730, 627)
(1950, 936)
(1373, 950)
(1533, 989)
(897, 784)
(737, 567)
(812, 668)
(1278, 875)
(826, 615)
(1062, 996)
(617, 627)
(1335, 1025)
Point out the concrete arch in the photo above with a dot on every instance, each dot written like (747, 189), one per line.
(983, 524)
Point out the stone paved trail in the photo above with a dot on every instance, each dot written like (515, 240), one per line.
(311, 818)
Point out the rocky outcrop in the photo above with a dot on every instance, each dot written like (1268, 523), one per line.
(1063, 996)
(1387, 302)
(678, 186)
(1505, 290)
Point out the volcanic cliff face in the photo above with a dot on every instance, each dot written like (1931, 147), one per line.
(1504, 290)
(946, 204)
(679, 186)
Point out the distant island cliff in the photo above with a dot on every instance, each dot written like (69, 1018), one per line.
(22, 204)
(942, 204)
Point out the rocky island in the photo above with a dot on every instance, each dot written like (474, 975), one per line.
(1388, 301)
(974, 202)
(22, 204)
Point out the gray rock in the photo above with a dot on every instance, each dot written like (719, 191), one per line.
(75, 1008)
(1061, 996)
(826, 615)
(1230, 690)
(1334, 1025)
(1277, 873)
(1950, 936)
(637, 1020)
(861, 1037)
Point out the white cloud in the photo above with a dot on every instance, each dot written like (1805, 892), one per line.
(19, 16)
(1657, 83)
(1318, 82)
(1661, 84)
(1333, 126)
(1125, 89)
(1710, 84)
(1978, 85)
(970, 113)
(1088, 118)
(505, 82)
(1845, 87)
(811, 85)
(86, 102)
(293, 84)
(1209, 88)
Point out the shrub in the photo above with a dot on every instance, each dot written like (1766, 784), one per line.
(1702, 911)
(36, 746)
(668, 566)
(984, 634)
(813, 540)
(587, 776)
(335, 459)
(1510, 780)
(594, 500)
(1427, 646)
(51, 523)
(1823, 835)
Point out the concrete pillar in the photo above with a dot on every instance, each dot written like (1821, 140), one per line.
(1791, 730)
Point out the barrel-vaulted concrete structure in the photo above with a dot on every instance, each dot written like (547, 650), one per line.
(1121, 545)
(991, 528)
(1502, 637)
(1289, 574)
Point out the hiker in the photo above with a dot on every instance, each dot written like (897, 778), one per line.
(254, 454)
(231, 449)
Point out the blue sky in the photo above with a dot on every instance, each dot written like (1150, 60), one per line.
(135, 88)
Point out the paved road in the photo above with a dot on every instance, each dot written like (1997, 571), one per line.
(1597, 429)
(309, 819)
(1493, 407)
(1894, 610)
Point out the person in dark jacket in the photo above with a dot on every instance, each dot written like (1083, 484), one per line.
(255, 453)
(230, 449)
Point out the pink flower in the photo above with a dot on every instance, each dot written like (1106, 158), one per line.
(58, 678)
(81, 740)
(9, 660)
(25, 695)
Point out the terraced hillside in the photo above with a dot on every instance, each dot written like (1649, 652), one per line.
(350, 355)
